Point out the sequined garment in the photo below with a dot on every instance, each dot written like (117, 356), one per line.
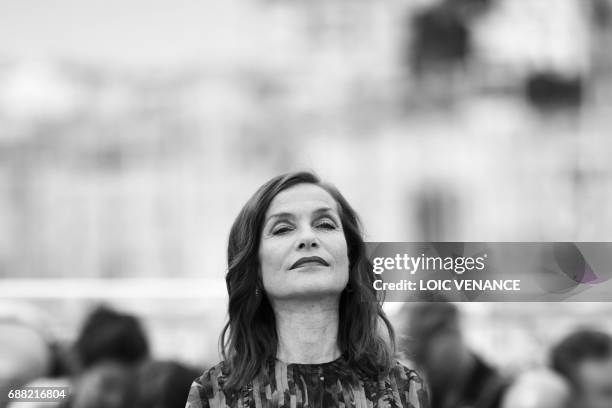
(326, 385)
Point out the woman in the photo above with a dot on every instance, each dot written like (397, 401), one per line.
(304, 319)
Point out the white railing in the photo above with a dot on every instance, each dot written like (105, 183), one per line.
(112, 288)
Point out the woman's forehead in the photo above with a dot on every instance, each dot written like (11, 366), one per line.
(302, 198)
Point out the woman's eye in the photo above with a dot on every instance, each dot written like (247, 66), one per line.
(325, 224)
(281, 229)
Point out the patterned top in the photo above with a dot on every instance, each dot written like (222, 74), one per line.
(326, 385)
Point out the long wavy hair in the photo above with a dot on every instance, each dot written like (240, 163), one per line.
(249, 338)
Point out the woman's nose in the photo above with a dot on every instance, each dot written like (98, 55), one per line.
(308, 243)
(307, 239)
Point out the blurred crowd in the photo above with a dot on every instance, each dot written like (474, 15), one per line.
(578, 373)
(109, 365)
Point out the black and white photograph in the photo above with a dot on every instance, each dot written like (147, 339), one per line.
(227, 204)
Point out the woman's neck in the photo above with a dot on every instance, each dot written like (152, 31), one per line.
(307, 330)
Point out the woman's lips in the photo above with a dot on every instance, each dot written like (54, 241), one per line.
(309, 260)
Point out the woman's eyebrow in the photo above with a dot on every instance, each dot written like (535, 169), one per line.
(282, 215)
(289, 215)
(323, 210)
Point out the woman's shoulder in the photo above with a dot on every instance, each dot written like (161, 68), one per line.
(402, 371)
(206, 387)
(409, 384)
(215, 372)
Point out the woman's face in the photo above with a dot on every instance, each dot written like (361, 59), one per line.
(303, 252)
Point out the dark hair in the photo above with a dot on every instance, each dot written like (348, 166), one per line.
(249, 338)
(580, 346)
(110, 335)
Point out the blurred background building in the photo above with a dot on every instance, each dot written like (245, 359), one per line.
(131, 133)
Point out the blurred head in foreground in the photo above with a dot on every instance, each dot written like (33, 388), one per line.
(109, 350)
(584, 358)
(24, 356)
(108, 335)
(538, 389)
(457, 376)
